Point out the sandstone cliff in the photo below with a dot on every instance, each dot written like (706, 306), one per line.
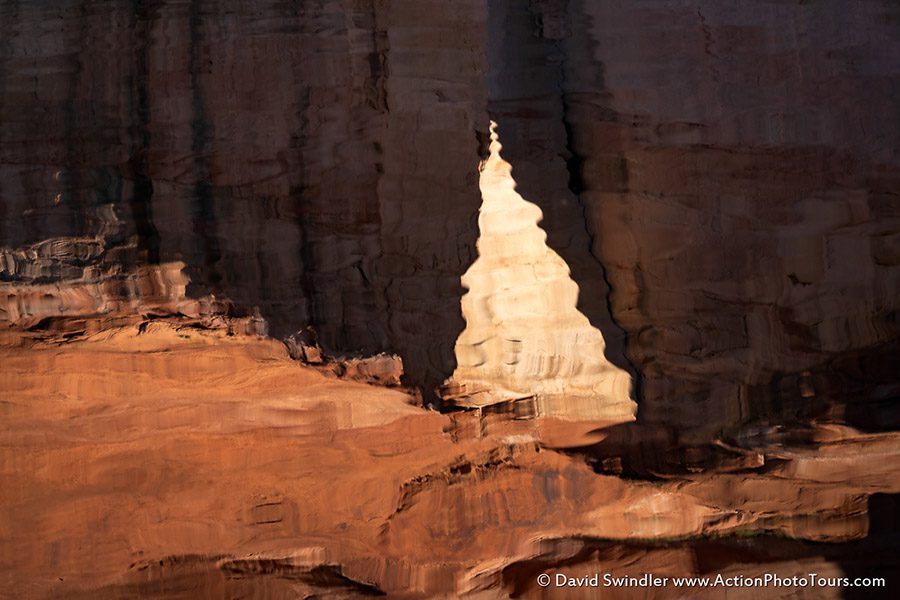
(720, 181)
(661, 320)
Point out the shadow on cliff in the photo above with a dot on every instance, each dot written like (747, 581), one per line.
(527, 100)
(878, 555)
(266, 153)
(339, 228)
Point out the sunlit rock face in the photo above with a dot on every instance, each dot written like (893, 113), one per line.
(85, 283)
(525, 339)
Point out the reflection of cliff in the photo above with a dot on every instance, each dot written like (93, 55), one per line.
(156, 460)
(524, 337)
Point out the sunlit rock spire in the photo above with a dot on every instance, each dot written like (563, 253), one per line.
(524, 337)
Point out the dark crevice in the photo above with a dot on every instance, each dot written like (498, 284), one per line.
(528, 82)
(618, 343)
(141, 200)
(204, 201)
(70, 173)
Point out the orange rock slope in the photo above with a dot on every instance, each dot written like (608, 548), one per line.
(167, 459)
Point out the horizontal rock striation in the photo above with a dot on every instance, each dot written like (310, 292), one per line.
(161, 459)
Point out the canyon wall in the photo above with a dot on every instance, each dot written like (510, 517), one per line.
(720, 179)
(740, 169)
(315, 160)
(644, 255)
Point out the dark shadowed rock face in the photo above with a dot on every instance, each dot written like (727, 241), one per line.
(314, 159)
(720, 178)
(732, 174)
(740, 170)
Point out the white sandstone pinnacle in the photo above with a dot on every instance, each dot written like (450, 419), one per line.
(524, 336)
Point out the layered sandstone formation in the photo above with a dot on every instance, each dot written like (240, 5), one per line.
(284, 152)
